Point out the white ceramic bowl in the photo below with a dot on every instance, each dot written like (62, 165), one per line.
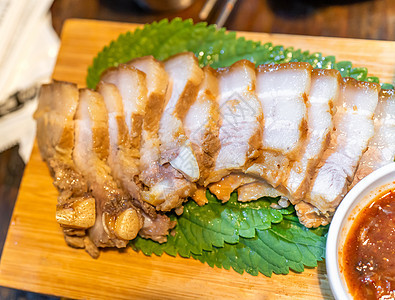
(361, 195)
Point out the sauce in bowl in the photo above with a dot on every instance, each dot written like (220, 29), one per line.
(369, 250)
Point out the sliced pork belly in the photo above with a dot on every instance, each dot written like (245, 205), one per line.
(124, 165)
(166, 188)
(57, 105)
(201, 124)
(240, 132)
(353, 123)
(122, 158)
(324, 91)
(185, 76)
(117, 220)
(132, 87)
(381, 148)
(282, 90)
(157, 82)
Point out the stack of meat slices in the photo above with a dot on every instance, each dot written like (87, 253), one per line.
(155, 133)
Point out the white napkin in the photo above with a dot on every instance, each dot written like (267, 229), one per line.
(28, 59)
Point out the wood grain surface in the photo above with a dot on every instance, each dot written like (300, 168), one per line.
(36, 258)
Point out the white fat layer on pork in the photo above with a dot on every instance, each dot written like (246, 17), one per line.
(122, 159)
(157, 82)
(353, 123)
(185, 77)
(55, 123)
(282, 91)
(324, 91)
(240, 132)
(381, 148)
(130, 83)
(167, 188)
(201, 123)
(90, 155)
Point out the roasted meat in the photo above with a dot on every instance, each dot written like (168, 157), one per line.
(323, 93)
(164, 186)
(185, 76)
(201, 124)
(381, 148)
(75, 210)
(156, 133)
(353, 128)
(283, 92)
(117, 220)
(241, 120)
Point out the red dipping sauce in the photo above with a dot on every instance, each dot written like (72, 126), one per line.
(369, 250)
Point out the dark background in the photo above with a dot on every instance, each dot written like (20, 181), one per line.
(374, 19)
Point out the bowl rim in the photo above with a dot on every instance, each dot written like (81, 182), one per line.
(337, 285)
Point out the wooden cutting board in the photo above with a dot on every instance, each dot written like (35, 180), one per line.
(36, 258)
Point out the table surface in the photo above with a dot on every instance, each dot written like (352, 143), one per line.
(346, 18)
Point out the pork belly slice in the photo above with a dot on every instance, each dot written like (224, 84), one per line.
(57, 104)
(123, 160)
(132, 87)
(201, 124)
(381, 148)
(282, 90)
(166, 188)
(240, 131)
(185, 76)
(156, 80)
(353, 128)
(117, 220)
(323, 93)
(124, 165)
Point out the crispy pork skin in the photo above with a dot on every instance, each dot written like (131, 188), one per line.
(353, 128)
(381, 148)
(323, 93)
(57, 105)
(201, 124)
(282, 91)
(117, 220)
(185, 76)
(240, 132)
